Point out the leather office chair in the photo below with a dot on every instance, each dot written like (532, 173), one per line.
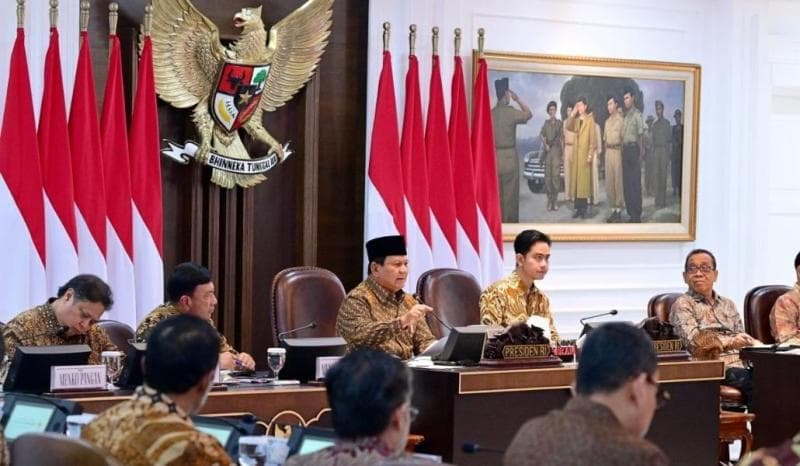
(660, 305)
(301, 295)
(758, 303)
(453, 294)
(118, 332)
(51, 449)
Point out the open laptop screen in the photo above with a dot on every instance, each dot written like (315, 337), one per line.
(27, 416)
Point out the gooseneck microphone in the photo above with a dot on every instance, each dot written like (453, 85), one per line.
(282, 335)
(473, 447)
(434, 314)
(612, 312)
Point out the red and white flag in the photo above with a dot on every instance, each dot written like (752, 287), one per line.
(59, 199)
(415, 180)
(440, 176)
(145, 164)
(385, 204)
(116, 172)
(21, 200)
(87, 167)
(461, 155)
(486, 189)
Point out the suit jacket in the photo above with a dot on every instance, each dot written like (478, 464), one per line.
(582, 433)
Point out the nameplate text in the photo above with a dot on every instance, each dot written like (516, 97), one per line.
(324, 363)
(89, 377)
(525, 351)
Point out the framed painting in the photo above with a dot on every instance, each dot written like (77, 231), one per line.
(595, 149)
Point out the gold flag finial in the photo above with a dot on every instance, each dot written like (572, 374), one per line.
(20, 13)
(387, 26)
(458, 41)
(85, 6)
(481, 33)
(435, 40)
(113, 18)
(412, 38)
(53, 13)
(148, 19)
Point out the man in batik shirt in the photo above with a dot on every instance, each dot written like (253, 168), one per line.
(154, 427)
(378, 313)
(701, 314)
(784, 320)
(68, 319)
(190, 290)
(785, 454)
(516, 297)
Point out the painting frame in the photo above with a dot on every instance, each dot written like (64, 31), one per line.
(676, 222)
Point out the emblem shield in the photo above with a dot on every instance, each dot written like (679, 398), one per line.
(237, 93)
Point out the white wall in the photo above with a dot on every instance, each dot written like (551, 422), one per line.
(747, 202)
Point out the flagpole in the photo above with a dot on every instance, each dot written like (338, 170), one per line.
(387, 26)
(435, 40)
(20, 14)
(457, 41)
(412, 38)
(53, 13)
(481, 33)
(113, 18)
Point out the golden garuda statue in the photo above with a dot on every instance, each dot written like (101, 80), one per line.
(230, 87)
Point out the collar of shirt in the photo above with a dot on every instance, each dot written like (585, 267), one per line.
(702, 299)
(49, 316)
(797, 287)
(593, 411)
(158, 400)
(521, 285)
(384, 296)
(366, 444)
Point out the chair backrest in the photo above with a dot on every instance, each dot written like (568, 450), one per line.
(758, 303)
(660, 305)
(453, 294)
(118, 332)
(306, 294)
(51, 449)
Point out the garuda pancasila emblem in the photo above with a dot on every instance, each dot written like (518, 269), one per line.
(230, 87)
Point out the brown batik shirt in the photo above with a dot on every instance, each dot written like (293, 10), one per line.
(150, 429)
(509, 301)
(370, 317)
(40, 327)
(784, 319)
(166, 311)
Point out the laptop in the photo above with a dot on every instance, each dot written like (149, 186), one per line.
(305, 440)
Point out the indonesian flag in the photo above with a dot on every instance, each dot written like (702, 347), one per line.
(59, 200)
(87, 166)
(440, 187)
(461, 156)
(385, 210)
(486, 189)
(119, 228)
(415, 180)
(145, 163)
(21, 201)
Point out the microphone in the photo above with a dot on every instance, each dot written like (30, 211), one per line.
(435, 316)
(473, 447)
(587, 327)
(282, 335)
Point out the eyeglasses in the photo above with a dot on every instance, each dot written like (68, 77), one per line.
(662, 394)
(692, 269)
(413, 412)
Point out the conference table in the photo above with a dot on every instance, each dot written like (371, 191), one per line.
(487, 407)
(776, 378)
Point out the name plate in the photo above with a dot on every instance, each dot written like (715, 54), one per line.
(667, 346)
(78, 377)
(526, 351)
(324, 363)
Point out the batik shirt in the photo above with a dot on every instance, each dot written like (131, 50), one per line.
(40, 327)
(370, 317)
(509, 301)
(5, 458)
(150, 429)
(365, 452)
(787, 453)
(166, 311)
(784, 320)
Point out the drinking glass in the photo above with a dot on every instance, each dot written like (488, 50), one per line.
(253, 450)
(276, 358)
(113, 362)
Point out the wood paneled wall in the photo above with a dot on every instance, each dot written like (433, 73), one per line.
(310, 209)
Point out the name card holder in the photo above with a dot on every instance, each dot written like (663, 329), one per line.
(77, 378)
(324, 363)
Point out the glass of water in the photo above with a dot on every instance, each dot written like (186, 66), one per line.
(113, 362)
(276, 358)
(253, 450)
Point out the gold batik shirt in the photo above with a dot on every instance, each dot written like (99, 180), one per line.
(370, 317)
(5, 458)
(691, 313)
(166, 311)
(784, 319)
(363, 452)
(150, 429)
(40, 327)
(509, 301)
